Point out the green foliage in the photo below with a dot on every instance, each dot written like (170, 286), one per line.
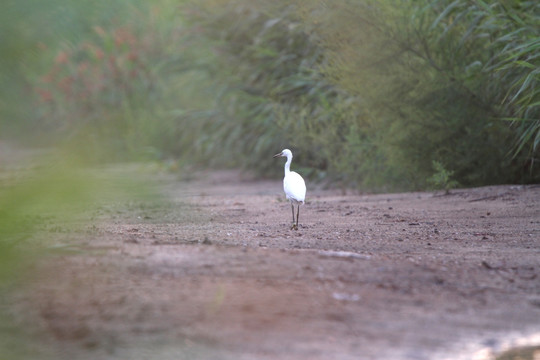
(263, 68)
(494, 49)
(37, 198)
(366, 93)
(442, 178)
(28, 31)
(273, 94)
(27, 204)
(92, 78)
(430, 75)
(59, 190)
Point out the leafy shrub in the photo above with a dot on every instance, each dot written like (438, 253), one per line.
(271, 94)
(367, 93)
(430, 74)
(442, 178)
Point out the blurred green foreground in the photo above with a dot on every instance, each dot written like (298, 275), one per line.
(46, 199)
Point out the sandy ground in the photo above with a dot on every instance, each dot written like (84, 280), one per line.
(216, 273)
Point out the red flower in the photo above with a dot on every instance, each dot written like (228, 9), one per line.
(61, 58)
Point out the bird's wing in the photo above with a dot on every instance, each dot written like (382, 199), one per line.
(294, 186)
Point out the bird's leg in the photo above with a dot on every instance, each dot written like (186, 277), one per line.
(292, 207)
(297, 216)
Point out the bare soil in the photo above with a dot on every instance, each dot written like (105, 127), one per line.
(216, 273)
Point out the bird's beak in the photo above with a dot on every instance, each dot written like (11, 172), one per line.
(277, 155)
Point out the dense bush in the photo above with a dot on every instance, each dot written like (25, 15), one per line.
(89, 74)
(368, 94)
(272, 94)
(374, 93)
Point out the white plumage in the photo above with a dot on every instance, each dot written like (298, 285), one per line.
(293, 185)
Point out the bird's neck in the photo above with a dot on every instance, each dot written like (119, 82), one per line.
(288, 165)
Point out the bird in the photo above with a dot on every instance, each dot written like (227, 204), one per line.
(293, 185)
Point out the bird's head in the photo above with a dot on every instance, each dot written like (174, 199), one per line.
(285, 153)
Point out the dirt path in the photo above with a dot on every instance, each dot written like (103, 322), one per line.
(217, 274)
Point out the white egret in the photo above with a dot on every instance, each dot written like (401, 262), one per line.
(293, 185)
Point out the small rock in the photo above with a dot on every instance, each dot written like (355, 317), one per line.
(206, 241)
